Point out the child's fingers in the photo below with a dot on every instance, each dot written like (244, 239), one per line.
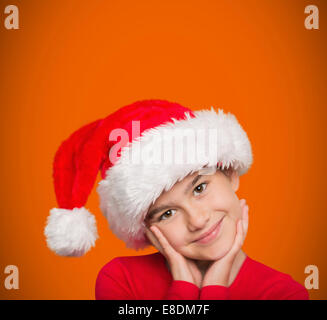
(154, 240)
(167, 248)
(242, 203)
(240, 234)
(237, 245)
(241, 230)
(245, 220)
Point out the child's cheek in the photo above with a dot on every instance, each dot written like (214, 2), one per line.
(176, 239)
(235, 213)
(234, 207)
(221, 197)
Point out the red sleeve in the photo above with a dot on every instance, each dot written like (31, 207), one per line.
(214, 292)
(299, 295)
(287, 289)
(182, 290)
(111, 283)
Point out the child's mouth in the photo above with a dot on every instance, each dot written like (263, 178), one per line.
(211, 235)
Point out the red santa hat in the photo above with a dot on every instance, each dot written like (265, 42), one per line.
(124, 147)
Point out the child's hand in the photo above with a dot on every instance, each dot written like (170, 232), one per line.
(181, 267)
(219, 271)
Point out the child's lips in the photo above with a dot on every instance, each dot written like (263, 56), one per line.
(211, 233)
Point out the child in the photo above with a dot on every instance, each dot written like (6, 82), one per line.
(169, 193)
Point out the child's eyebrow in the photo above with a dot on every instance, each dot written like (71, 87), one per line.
(169, 205)
(194, 181)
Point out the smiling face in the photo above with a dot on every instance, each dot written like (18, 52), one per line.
(194, 206)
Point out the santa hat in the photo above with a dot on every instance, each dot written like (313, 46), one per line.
(124, 147)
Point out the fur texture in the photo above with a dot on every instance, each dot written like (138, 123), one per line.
(129, 188)
(70, 232)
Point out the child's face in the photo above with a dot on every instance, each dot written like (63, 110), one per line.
(191, 210)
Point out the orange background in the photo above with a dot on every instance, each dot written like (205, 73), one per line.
(73, 62)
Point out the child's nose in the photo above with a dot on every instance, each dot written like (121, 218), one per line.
(197, 218)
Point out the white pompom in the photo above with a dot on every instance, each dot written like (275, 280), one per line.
(70, 232)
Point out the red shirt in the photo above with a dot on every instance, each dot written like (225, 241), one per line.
(148, 278)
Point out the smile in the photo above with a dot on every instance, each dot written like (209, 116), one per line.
(211, 234)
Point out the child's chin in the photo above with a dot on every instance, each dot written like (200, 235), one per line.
(214, 257)
(212, 252)
(215, 253)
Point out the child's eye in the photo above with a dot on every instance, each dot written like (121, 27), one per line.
(165, 214)
(200, 187)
